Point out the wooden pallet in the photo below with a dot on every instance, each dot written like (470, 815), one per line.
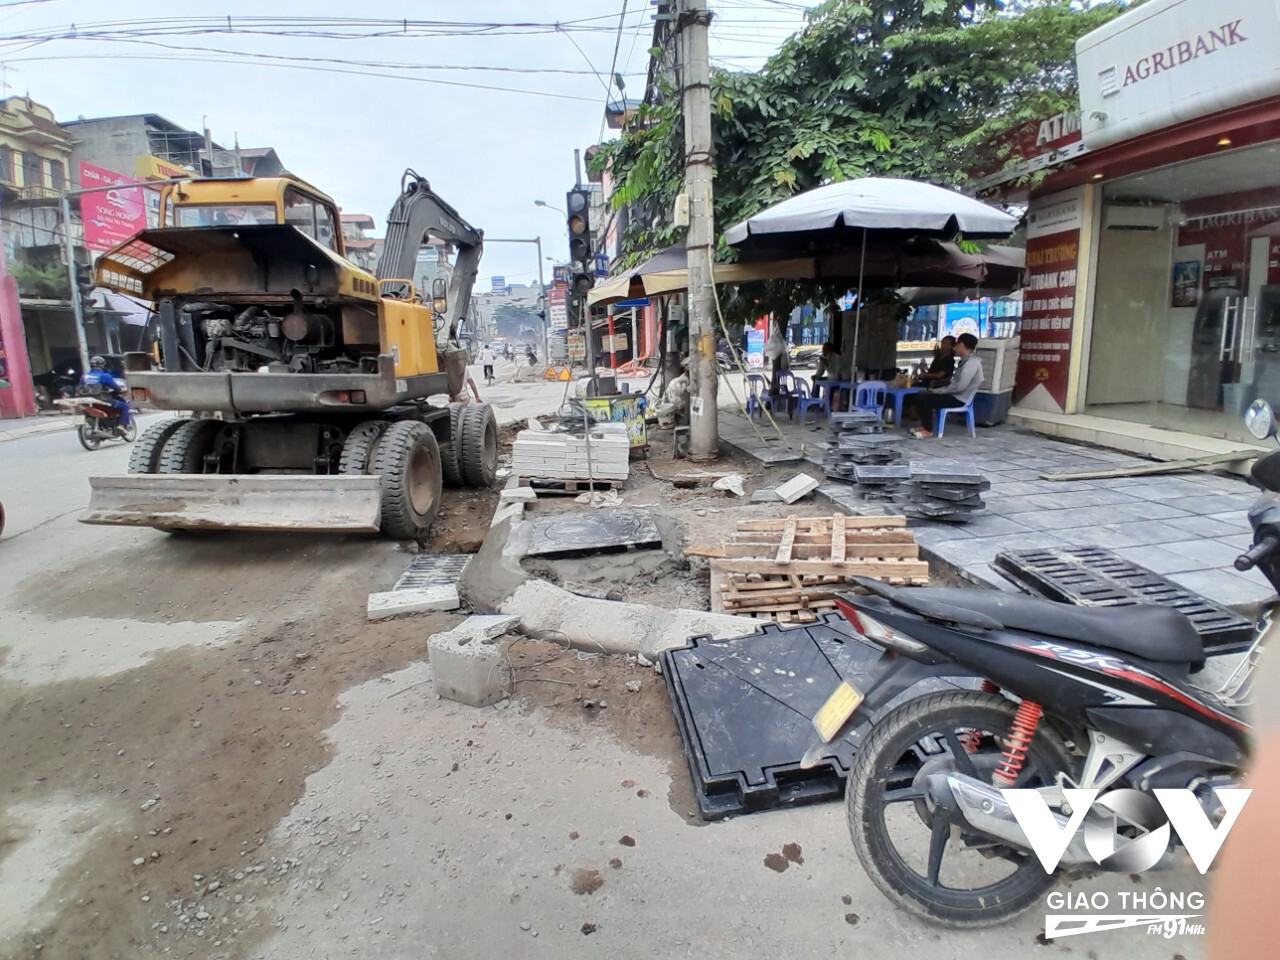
(791, 569)
(567, 488)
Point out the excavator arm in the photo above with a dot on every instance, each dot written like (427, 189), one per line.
(419, 213)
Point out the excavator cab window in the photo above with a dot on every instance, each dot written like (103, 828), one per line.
(220, 214)
(312, 217)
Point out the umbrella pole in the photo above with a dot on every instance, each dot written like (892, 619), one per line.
(857, 318)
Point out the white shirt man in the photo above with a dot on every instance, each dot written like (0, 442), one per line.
(958, 392)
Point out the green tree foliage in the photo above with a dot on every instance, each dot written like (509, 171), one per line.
(514, 320)
(47, 282)
(913, 88)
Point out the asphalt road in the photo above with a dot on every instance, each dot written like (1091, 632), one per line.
(208, 752)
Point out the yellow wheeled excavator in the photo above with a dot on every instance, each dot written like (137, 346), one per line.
(309, 381)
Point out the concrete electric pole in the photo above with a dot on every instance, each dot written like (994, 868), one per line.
(693, 21)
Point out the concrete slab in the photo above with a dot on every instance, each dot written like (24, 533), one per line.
(398, 603)
(1241, 593)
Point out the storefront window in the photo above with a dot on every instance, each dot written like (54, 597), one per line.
(1186, 320)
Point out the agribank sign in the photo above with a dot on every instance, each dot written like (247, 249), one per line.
(1168, 61)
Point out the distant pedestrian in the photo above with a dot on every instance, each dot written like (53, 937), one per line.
(487, 360)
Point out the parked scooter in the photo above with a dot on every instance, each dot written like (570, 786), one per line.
(1045, 697)
(98, 421)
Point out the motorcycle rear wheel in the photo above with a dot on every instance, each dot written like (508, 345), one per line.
(931, 730)
(88, 439)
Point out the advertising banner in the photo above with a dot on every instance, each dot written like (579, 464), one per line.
(1049, 301)
(110, 216)
(755, 349)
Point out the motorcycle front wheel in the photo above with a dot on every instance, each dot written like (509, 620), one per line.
(88, 439)
(932, 869)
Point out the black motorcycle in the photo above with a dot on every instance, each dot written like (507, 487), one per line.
(966, 694)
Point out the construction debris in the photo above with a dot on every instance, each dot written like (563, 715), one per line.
(790, 570)
(430, 583)
(467, 665)
(731, 484)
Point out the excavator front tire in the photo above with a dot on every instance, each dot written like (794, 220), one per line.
(145, 456)
(478, 445)
(357, 449)
(407, 457)
(449, 458)
(185, 450)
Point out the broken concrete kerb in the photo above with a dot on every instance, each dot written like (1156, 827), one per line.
(494, 581)
(469, 664)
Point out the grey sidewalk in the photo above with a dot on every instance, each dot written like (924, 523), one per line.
(34, 426)
(1188, 527)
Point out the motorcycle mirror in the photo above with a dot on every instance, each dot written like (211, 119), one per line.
(1260, 420)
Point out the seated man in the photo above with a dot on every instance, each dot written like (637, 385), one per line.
(963, 385)
(98, 380)
(830, 364)
(943, 366)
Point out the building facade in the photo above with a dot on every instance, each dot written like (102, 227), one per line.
(1153, 244)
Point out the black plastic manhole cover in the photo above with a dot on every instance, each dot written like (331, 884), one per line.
(591, 532)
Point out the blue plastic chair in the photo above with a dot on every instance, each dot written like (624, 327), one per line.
(758, 395)
(804, 400)
(871, 395)
(967, 410)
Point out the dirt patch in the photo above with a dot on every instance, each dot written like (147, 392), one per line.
(628, 699)
(586, 881)
(187, 763)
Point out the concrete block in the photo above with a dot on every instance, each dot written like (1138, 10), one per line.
(518, 493)
(470, 667)
(798, 486)
(395, 603)
(766, 496)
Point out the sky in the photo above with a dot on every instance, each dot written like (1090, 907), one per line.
(361, 98)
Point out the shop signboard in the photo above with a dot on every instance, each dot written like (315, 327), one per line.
(577, 345)
(1169, 61)
(110, 216)
(1035, 145)
(1048, 307)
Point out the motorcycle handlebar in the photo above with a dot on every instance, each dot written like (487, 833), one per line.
(1248, 559)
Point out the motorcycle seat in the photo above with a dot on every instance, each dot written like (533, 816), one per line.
(1147, 631)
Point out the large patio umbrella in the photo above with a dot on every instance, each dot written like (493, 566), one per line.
(942, 265)
(874, 216)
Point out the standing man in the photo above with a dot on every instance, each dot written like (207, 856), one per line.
(959, 390)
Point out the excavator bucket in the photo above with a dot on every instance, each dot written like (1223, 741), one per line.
(285, 502)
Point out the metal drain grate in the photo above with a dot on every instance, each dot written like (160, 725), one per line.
(432, 570)
(1096, 577)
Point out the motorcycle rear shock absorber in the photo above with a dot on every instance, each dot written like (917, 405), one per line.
(971, 739)
(1023, 729)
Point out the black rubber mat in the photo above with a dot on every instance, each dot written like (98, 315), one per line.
(1094, 576)
(745, 707)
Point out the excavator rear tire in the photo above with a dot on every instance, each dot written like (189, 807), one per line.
(185, 450)
(449, 459)
(478, 445)
(408, 460)
(145, 456)
(357, 449)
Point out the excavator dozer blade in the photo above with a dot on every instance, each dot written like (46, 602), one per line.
(285, 502)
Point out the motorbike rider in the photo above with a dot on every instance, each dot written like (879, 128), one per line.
(100, 380)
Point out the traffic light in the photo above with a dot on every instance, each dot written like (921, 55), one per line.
(84, 283)
(578, 208)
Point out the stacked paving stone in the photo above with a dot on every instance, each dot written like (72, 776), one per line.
(880, 481)
(857, 438)
(942, 490)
